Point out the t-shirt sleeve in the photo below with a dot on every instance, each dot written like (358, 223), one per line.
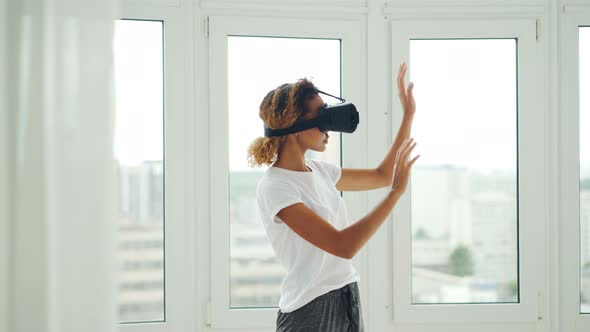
(334, 171)
(272, 197)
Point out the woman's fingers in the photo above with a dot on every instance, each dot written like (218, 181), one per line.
(402, 147)
(401, 158)
(412, 162)
(401, 84)
(408, 168)
(402, 166)
(407, 148)
(407, 153)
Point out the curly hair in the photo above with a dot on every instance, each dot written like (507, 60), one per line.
(280, 108)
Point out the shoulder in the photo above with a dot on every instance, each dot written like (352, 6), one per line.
(272, 181)
(275, 192)
(327, 168)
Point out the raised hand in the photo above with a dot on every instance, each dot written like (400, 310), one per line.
(406, 96)
(403, 166)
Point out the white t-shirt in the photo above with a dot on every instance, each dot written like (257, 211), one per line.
(311, 271)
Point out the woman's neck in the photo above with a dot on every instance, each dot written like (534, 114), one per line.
(291, 158)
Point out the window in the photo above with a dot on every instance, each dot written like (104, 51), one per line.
(248, 58)
(257, 65)
(465, 186)
(139, 148)
(574, 170)
(584, 79)
(465, 237)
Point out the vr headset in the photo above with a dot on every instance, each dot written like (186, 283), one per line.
(342, 117)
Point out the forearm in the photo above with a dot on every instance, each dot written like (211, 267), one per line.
(386, 166)
(354, 237)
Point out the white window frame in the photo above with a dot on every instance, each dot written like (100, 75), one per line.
(6, 157)
(354, 155)
(574, 16)
(179, 175)
(532, 177)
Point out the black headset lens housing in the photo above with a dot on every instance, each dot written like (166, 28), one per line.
(342, 117)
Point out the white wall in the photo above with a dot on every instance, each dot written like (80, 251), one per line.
(4, 178)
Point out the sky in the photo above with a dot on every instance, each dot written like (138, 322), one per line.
(138, 86)
(466, 102)
(465, 95)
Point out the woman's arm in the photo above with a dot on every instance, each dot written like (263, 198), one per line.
(344, 243)
(347, 242)
(367, 179)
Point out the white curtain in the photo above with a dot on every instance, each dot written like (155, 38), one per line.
(57, 204)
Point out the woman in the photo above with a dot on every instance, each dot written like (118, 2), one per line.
(305, 217)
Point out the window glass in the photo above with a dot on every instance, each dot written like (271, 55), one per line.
(139, 149)
(465, 185)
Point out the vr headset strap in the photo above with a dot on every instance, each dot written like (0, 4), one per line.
(327, 94)
(298, 127)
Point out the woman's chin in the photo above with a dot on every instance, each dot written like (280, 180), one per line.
(320, 148)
